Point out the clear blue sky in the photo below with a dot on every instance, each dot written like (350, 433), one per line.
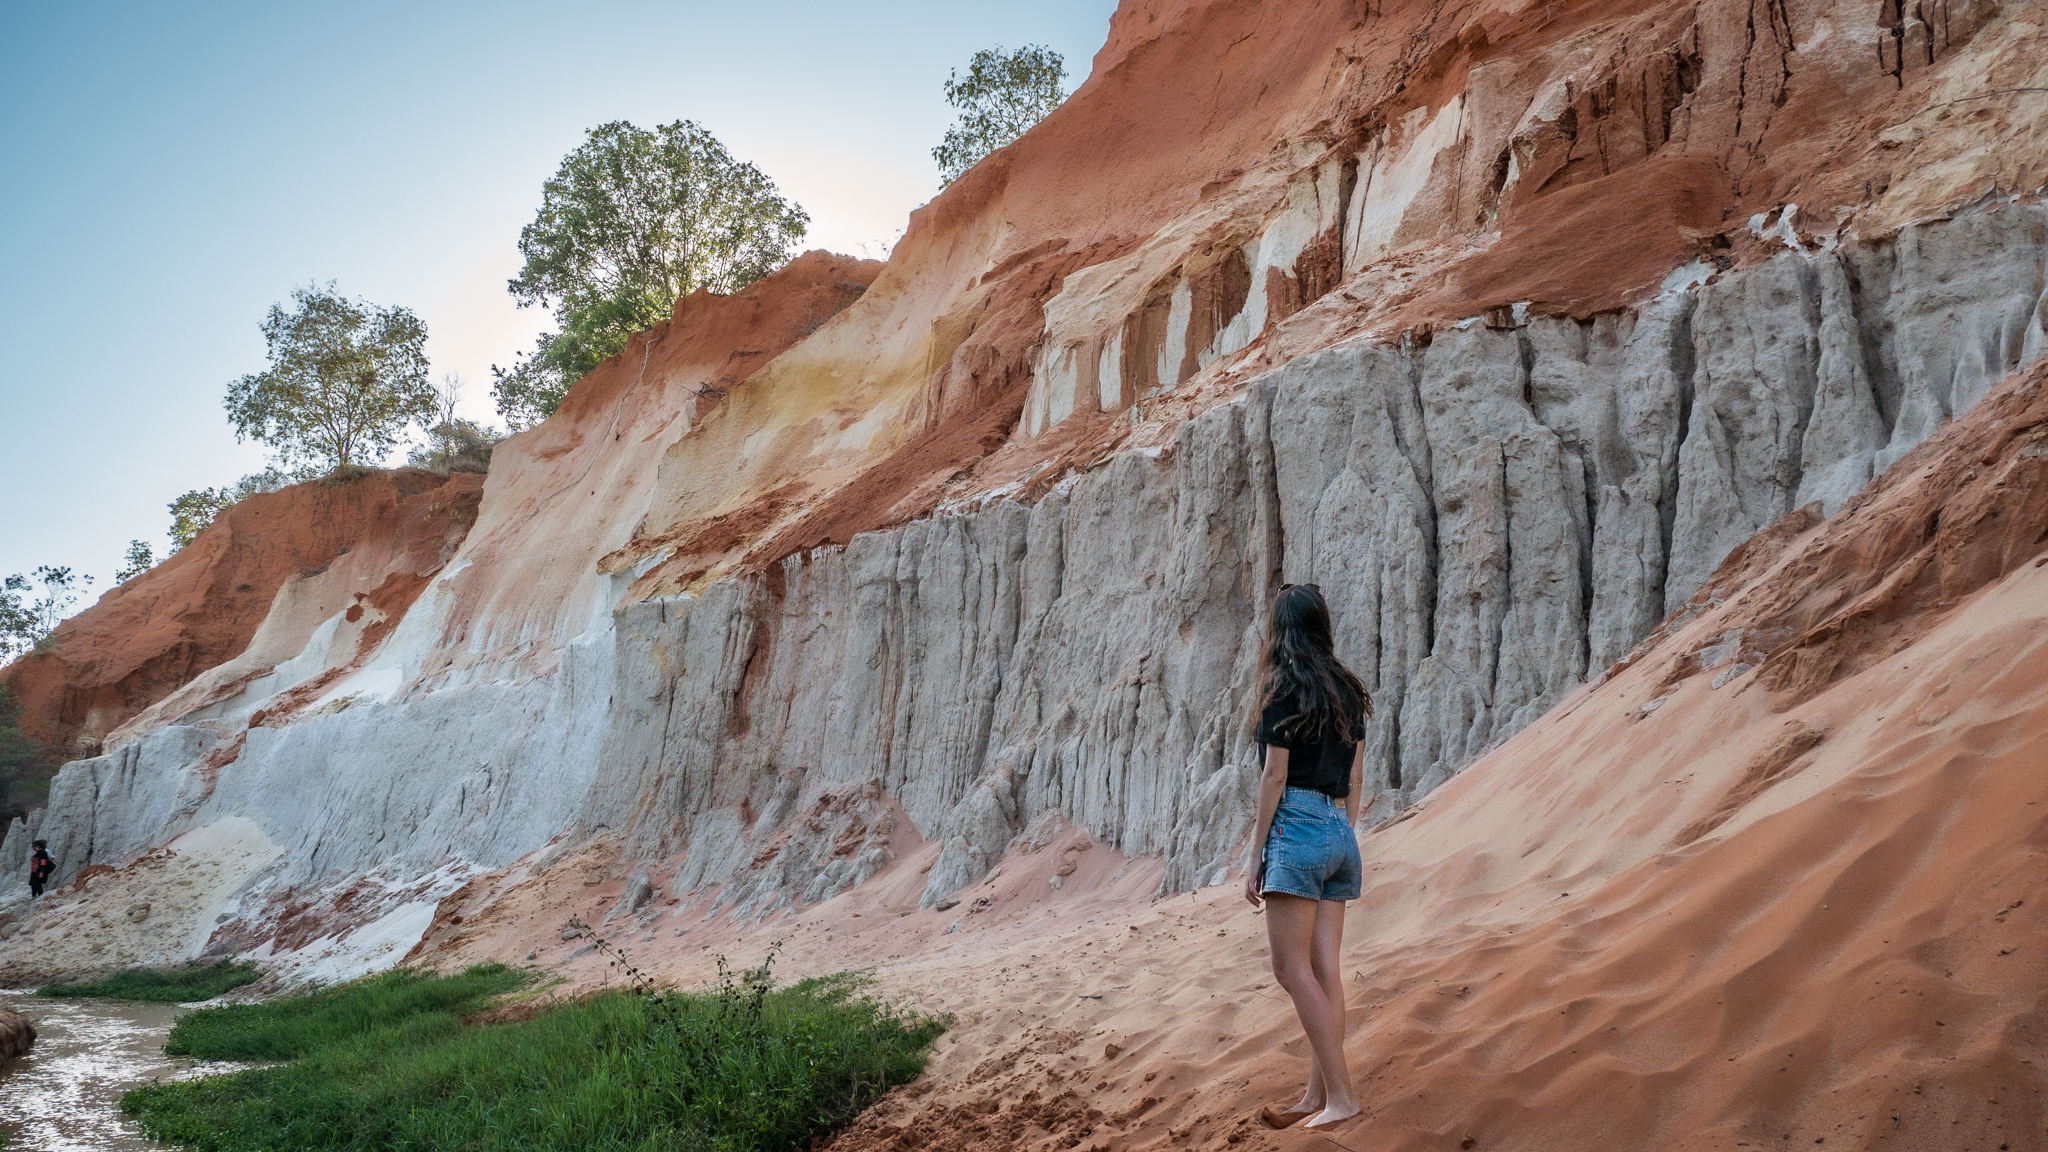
(167, 172)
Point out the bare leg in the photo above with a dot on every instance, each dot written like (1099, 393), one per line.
(1323, 961)
(1296, 930)
(1311, 1097)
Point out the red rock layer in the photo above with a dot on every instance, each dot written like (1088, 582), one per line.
(198, 609)
(724, 339)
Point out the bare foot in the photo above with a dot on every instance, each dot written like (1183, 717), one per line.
(1275, 1118)
(1333, 1115)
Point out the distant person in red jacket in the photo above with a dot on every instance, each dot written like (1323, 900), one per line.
(40, 868)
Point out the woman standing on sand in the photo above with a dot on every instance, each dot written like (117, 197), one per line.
(1311, 717)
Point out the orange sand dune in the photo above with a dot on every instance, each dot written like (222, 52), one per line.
(1702, 905)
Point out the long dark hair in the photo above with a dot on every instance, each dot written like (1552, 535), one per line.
(1299, 660)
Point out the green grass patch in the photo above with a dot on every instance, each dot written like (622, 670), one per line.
(386, 1063)
(195, 982)
(295, 1026)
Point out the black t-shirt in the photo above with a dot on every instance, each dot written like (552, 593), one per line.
(1323, 764)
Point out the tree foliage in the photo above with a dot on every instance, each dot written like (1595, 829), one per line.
(631, 221)
(140, 558)
(1000, 98)
(17, 622)
(346, 377)
(26, 620)
(192, 512)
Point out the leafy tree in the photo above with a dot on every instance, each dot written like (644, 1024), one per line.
(1000, 98)
(140, 558)
(346, 376)
(26, 624)
(17, 621)
(631, 221)
(192, 512)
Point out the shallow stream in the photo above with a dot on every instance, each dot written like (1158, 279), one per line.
(65, 1095)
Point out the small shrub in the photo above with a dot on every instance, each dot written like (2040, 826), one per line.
(193, 983)
(456, 445)
(193, 512)
(345, 474)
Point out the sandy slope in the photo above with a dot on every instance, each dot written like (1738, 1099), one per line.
(1703, 904)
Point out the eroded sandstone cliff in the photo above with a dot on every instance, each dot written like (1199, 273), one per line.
(937, 583)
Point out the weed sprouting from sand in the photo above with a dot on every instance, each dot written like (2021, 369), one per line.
(193, 983)
(388, 1062)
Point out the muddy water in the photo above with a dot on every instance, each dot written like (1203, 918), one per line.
(65, 1095)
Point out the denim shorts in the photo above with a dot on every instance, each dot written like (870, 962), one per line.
(1311, 851)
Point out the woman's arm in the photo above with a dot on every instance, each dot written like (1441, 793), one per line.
(1352, 801)
(1272, 785)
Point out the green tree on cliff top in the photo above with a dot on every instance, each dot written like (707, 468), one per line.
(139, 558)
(1000, 98)
(346, 376)
(27, 620)
(17, 618)
(631, 221)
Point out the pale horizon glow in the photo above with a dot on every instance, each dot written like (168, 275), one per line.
(174, 172)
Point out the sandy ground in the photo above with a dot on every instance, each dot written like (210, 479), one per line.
(143, 914)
